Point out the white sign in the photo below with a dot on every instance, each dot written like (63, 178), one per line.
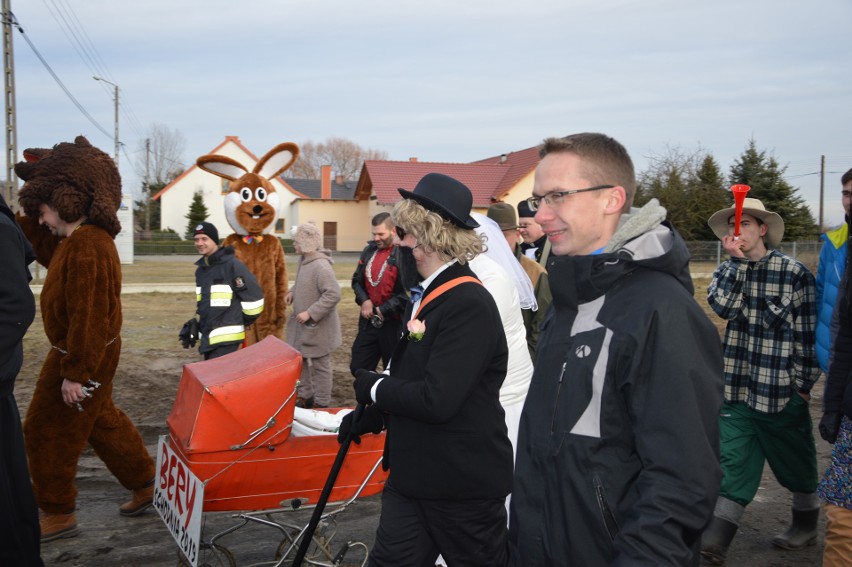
(124, 239)
(179, 499)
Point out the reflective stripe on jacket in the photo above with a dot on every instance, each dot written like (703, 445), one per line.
(222, 316)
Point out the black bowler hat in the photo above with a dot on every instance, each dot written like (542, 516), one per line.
(446, 196)
(524, 210)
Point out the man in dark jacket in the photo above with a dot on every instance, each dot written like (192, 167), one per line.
(19, 528)
(227, 294)
(618, 448)
(380, 290)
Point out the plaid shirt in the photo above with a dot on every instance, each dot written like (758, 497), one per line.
(770, 306)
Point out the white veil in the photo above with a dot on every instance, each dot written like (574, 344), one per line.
(497, 248)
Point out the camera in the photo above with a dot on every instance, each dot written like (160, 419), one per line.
(377, 321)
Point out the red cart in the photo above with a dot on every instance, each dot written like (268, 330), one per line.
(232, 426)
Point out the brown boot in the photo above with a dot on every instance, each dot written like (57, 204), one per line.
(57, 526)
(142, 499)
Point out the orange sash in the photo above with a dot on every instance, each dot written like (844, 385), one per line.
(446, 286)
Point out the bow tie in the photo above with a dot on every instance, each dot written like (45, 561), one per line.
(416, 293)
(253, 238)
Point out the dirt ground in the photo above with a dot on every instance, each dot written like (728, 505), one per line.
(147, 380)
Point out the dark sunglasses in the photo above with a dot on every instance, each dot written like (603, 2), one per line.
(400, 232)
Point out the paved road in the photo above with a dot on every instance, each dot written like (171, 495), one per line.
(165, 287)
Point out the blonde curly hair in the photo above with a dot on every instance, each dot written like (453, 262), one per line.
(436, 234)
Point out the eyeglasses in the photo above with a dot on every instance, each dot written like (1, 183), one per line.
(400, 232)
(557, 197)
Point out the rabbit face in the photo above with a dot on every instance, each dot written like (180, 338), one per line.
(251, 206)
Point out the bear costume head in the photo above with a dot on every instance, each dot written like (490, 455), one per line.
(74, 179)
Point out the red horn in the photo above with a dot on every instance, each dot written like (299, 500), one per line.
(739, 192)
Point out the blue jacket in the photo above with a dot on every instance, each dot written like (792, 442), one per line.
(832, 264)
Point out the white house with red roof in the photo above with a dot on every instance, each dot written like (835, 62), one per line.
(343, 209)
(507, 178)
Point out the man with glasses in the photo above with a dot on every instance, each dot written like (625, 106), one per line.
(618, 457)
(832, 263)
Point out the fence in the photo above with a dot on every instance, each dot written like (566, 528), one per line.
(180, 247)
(711, 252)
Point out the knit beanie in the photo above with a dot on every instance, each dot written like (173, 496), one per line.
(207, 229)
(308, 237)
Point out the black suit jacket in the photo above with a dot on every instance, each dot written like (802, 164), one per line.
(446, 430)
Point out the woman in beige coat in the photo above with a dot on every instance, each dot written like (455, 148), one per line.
(314, 327)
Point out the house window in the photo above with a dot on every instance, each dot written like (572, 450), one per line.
(279, 225)
(226, 186)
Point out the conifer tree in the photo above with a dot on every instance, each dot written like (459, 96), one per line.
(708, 192)
(764, 175)
(197, 213)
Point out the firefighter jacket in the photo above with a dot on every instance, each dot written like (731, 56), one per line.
(228, 297)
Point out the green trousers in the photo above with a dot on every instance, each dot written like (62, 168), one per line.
(784, 439)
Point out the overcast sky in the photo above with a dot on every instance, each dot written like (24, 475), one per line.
(450, 80)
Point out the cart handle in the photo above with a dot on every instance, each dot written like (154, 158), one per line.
(308, 534)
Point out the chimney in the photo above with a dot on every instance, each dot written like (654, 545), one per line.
(412, 160)
(503, 158)
(340, 180)
(325, 182)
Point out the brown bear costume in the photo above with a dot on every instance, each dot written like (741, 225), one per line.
(81, 308)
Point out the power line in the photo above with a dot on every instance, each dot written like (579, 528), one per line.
(73, 39)
(56, 78)
(79, 39)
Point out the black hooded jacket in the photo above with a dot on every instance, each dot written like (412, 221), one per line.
(618, 449)
(17, 305)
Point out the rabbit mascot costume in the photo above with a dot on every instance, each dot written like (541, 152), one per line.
(251, 207)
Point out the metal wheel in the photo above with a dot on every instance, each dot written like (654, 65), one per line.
(211, 555)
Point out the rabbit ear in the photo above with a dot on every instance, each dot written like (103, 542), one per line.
(222, 166)
(277, 160)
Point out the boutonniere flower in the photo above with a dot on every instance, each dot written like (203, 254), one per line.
(416, 329)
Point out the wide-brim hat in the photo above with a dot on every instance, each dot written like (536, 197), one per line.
(504, 215)
(718, 222)
(445, 196)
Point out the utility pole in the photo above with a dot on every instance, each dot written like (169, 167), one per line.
(147, 186)
(117, 144)
(10, 189)
(821, 188)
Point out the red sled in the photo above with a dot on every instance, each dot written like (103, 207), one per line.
(231, 424)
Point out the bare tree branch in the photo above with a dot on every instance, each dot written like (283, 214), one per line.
(344, 156)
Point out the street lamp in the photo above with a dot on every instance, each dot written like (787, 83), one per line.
(116, 114)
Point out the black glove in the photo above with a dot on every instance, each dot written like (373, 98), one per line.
(364, 381)
(188, 335)
(829, 426)
(371, 421)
